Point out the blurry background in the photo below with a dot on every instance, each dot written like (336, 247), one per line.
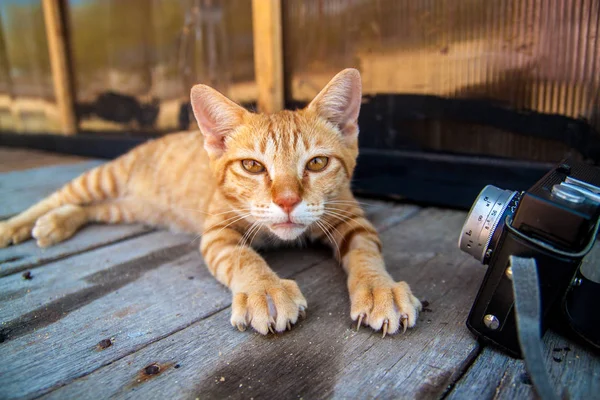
(505, 79)
(132, 62)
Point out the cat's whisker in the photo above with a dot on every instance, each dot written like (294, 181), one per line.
(214, 215)
(345, 218)
(352, 210)
(351, 202)
(332, 227)
(330, 238)
(259, 225)
(236, 217)
(240, 245)
(343, 213)
(256, 228)
(355, 211)
(244, 216)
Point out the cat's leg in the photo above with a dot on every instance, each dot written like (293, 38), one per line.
(101, 183)
(260, 298)
(61, 223)
(376, 299)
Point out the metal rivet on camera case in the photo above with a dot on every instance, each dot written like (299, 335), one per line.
(491, 322)
(508, 273)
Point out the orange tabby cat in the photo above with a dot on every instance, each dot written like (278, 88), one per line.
(253, 176)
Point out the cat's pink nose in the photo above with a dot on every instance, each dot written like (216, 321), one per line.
(287, 202)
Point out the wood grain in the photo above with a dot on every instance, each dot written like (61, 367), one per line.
(28, 255)
(268, 54)
(21, 189)
(574, 373)
(323, 357)
(59, 63)
(16, 159)
(135, 301)
(573, 367)
(119, 291)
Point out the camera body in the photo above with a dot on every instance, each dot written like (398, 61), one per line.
(553, 222)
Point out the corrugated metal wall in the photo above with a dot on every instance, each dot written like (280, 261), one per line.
(143, 56)
(541, 55)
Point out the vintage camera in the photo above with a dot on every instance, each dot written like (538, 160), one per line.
(555, 222)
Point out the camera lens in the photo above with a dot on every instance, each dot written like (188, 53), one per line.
(488, 211)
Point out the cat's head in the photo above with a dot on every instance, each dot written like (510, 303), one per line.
(282, 169)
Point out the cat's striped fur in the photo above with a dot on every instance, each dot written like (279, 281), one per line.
(244, 179)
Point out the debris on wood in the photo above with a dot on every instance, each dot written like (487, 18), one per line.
(104, 344)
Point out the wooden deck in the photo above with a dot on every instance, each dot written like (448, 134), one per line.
(167, 319)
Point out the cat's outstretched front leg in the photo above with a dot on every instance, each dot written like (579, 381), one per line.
(261, 299)
(376, 299)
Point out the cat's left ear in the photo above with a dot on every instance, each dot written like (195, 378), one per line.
(217, 117)
(339, 102)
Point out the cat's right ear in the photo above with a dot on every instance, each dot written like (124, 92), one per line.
(217, 117)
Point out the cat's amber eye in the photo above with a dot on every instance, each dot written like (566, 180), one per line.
(317, 163)
(253, 166)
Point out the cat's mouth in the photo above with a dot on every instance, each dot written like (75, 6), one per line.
(287, 230)
(288, 225)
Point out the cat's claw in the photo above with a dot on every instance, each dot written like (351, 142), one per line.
(385, 328)
(384, 305)
(241, 326)
(404, 322)
(268, 306)
(302, 312)
(360, 319)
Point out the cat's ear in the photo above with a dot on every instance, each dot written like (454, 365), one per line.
(217, 117)
(339, 102)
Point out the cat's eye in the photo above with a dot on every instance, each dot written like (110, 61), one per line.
(253, 166)
(317, 163)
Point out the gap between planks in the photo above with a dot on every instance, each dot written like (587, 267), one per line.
(28, 256)
(462, 345)
(380, 212)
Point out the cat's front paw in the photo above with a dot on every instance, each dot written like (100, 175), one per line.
(268, 306)
(13, 234)
(383, 304)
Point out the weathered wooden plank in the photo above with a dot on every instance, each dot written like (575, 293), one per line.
(17, 159)
(574, 369)
(28, 255)
(21, 189)
(574, 372)
(323, 356)
(133, 307)
(134, 302)
(59, 279)
(54, 175)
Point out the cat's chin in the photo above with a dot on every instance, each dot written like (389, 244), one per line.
(287, 231)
